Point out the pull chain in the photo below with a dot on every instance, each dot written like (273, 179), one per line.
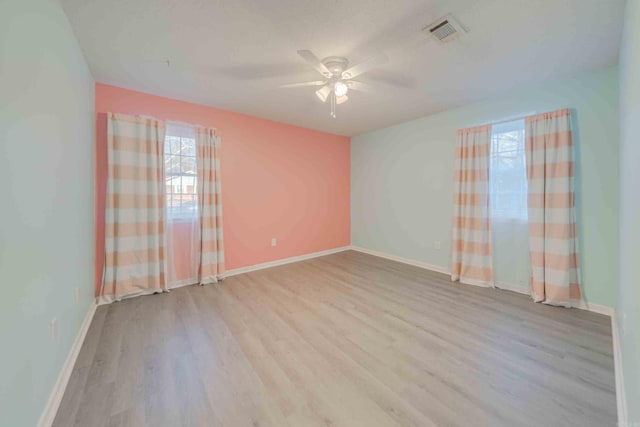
(333, 104)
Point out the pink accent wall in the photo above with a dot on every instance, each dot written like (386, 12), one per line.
(278, 180)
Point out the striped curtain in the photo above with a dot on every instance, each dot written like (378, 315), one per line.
(135, 208)
(471, 254)
(553, 245)
(209, 206)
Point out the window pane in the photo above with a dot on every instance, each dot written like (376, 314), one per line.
(180, 171)
(508, 179)
(189, 147)
(174, 144)
(188, 165)
(172, 164)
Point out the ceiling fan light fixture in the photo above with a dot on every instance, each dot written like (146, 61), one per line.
(340, 89)
(337, 74)
(323, 93)
(341, 99)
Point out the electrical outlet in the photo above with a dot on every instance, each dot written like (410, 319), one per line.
(53, 328)
(436, 245)
(274, 241)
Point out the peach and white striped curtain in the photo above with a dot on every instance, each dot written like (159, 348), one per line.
(209, 206)
(553, 244)
(471, 254)
(135, 208)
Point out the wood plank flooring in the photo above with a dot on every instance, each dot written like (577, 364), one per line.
(348, 340)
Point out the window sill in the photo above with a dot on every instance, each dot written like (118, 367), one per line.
(182, 219)
(510, 220)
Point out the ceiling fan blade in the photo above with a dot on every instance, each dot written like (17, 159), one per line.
(365, 66)
(315, 83)
(313, 60)
(362, 87)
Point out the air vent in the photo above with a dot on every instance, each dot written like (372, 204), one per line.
(445, 29)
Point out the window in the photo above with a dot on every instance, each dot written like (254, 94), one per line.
(508, 171)
(180, 173)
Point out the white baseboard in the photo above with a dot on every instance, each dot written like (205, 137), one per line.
(513, 288)
(581, 304)
(420, 264)
(241, 270)
(284, 261)
(584, 305)
(621, 399)
(51, 408)
(596, 308)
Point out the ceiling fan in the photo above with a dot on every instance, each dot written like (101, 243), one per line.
(337, 76)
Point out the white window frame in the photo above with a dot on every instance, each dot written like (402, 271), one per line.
(186, 135)
(510, 130)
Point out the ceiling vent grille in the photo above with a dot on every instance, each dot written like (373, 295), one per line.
(445, 29)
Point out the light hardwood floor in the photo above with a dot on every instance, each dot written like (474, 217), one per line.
(347, 339)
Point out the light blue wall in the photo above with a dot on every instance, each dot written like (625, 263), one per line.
(46, 201)
(628, 307)
(402, 176)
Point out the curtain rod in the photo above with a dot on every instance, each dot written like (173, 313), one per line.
(511, 119)
(175, 122)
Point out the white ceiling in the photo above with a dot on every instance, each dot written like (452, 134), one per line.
(233, 54)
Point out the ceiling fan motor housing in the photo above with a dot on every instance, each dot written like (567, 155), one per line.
(336, 64)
